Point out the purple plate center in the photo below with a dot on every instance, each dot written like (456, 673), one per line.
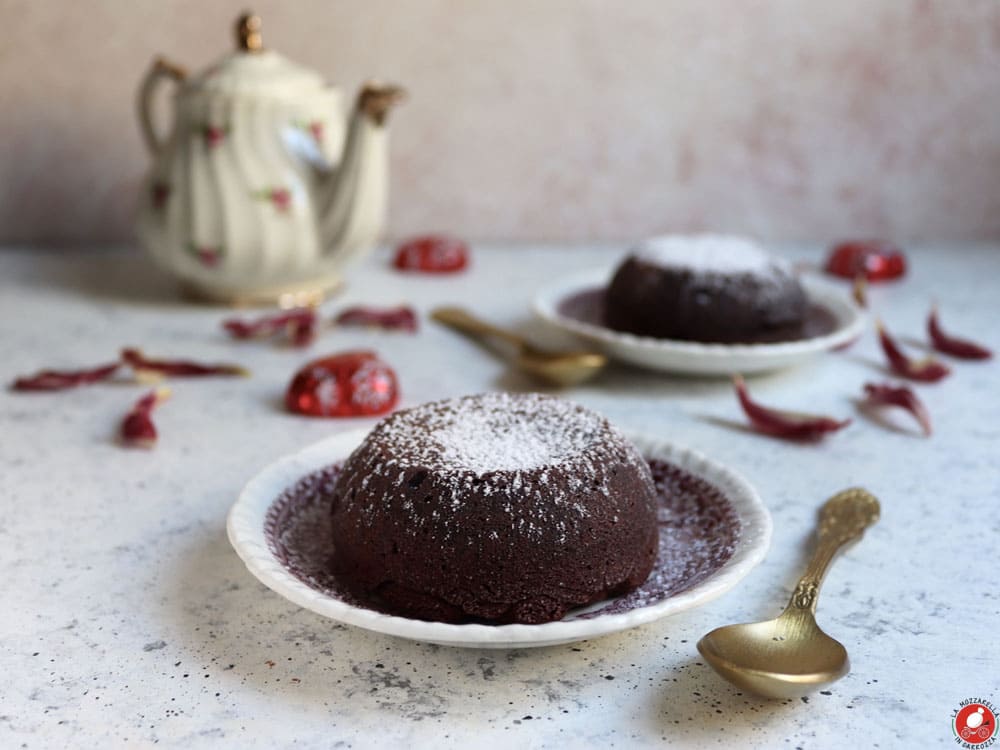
(699, 530)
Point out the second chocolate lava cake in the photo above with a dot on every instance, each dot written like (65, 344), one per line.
(709, 288)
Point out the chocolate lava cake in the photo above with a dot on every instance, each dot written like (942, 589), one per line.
(709, 288)
(497, 508)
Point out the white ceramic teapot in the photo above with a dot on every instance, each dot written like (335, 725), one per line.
(262, 190)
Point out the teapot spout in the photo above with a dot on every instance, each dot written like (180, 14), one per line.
(376, 100)
(353, 198)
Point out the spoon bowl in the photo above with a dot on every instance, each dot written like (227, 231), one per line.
(782, 658)
(560, 368)
(790, 656)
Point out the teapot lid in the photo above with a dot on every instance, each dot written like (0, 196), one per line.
(253, 70)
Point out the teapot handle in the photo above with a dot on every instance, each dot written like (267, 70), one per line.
(159, 70)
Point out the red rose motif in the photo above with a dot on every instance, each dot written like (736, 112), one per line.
(213, 135)
(281, 198)
(316, 128)
(208, 256)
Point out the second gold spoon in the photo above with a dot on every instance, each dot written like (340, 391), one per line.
(556, 368)
(791, 656)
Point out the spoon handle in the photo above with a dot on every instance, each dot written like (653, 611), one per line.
(842, 519)
(465, 322)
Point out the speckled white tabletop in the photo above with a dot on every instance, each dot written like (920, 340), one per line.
(128, 620)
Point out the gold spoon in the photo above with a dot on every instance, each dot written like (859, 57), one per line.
(790, 656)
(557, 368)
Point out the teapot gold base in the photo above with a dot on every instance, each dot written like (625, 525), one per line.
(286, 296)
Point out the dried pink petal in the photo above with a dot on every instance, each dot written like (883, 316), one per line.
(299, 325)
(58, 380)
(785, 424)
(401, 318)
(886, 394)
(137, 428)
(961, 348)
(927, 370)
(177, 367)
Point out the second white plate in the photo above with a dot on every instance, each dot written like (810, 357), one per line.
(692, 357)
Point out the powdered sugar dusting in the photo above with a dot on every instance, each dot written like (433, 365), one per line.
(711, 253)
(492, 432)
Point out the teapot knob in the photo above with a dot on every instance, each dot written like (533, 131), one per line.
(248, 37)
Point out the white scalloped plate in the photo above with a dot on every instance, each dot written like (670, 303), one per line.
(246, 533)
(691, 357)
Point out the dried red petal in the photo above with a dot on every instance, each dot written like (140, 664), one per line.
(962, 348)
(59, 380)
(302, 333)
(432, 254)
(351, 384)
(401, 318)
(875, 259)
(137, 428)
(177, 367)
(785, 424)
(886, 394)
(299, 325)
(928, 370)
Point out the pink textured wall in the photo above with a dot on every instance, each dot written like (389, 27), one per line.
(557, 119)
